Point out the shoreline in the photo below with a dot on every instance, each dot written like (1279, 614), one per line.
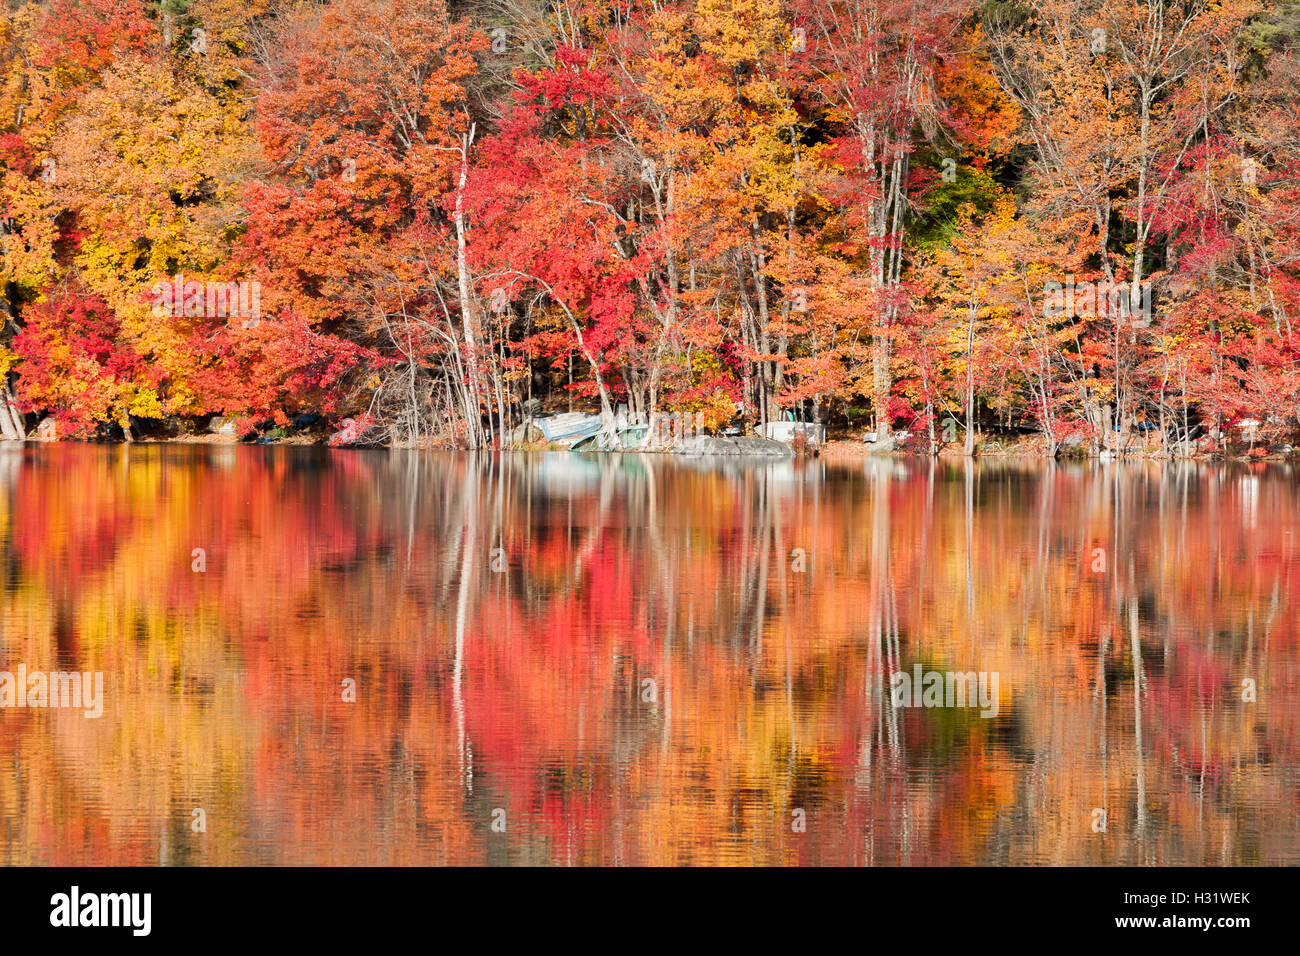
(837, 450)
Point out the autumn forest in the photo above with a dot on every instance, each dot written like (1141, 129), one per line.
(1073, 221)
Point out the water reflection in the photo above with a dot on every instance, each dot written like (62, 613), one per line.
(664, 662)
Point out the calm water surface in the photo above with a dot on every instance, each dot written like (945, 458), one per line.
(663, 663)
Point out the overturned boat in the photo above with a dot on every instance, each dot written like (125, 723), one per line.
(564, 429)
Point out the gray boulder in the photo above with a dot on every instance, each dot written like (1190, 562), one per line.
(750, 445)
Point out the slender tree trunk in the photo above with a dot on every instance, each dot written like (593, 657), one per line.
(465, 289)
(7, 425)
(970, 375)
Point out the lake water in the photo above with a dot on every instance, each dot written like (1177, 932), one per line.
(566, 659)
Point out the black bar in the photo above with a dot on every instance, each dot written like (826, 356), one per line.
(616, 908)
